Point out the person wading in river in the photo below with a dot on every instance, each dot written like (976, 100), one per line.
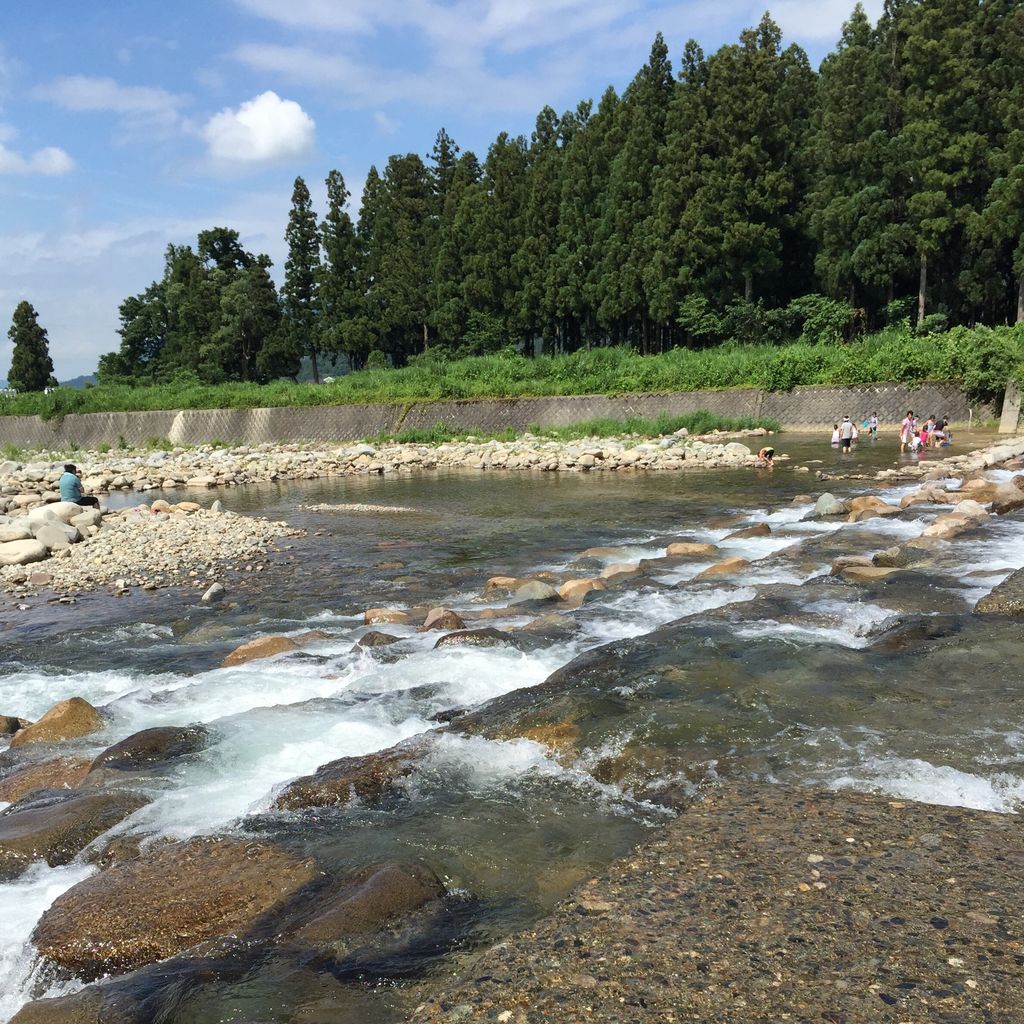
(907, 430)
(71, 488)
(846, 432)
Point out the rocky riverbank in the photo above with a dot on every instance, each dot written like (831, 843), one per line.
(761, 904)
(70, 550)
(207, 466)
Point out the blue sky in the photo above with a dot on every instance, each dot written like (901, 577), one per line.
(128, 124)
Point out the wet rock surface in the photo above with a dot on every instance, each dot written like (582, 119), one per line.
(54, 825)
(167, 901)
(762, 904)
(152, 747)
(1006, 599)
(67, 720)
(55, 773)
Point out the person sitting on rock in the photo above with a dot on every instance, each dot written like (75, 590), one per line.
(71, 488)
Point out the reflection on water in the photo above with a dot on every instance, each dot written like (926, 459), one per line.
(659, 685)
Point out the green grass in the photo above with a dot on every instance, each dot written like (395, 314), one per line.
(980, 359)
(699, 422)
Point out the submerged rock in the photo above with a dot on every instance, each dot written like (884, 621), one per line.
(64, 721)
(166, 901)
(55, 824)
(369, 900)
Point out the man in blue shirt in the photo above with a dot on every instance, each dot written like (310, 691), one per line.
(71, 488)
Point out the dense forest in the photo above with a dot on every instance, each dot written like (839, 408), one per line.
(739, 196)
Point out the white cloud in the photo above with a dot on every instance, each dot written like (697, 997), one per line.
(261, 130)
(49, 160)
(385, 125)
(143, 109)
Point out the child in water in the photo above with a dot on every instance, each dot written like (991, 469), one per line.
(835, 433)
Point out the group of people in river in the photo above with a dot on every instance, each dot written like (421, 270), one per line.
(845, 434)
(916, 435)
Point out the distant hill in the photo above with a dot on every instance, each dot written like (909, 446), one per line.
(79, 382)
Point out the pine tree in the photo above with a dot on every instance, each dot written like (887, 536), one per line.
(623, 239)
(31, 365)
(301, 274)
(340, 290)
(250, 319)
(399, 255)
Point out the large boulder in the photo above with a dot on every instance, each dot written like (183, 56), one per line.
(574, 591)
(829, 505)
(535, 590)
(171, 898)
(443, 619)
(56, 824)
(371, 899)
(22, 552)
(152, 747)
(489, 637)
(64, 721)
(64, 511)
(1005, 599)
(1007, 498)
(369, 778)
(86, 518)
(686, 549)
(56, 534)
(13, 531)
(264, 647)
(724, 568)
(57, 773)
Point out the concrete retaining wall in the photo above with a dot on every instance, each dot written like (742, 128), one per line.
(804, 408)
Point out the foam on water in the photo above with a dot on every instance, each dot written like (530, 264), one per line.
(915, 779)
(24, 902)
(846, 623)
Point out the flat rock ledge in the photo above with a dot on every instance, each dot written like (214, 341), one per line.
(763, 904)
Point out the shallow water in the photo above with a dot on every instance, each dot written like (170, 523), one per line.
(780, 672)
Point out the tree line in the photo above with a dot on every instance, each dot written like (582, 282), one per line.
(739, 195)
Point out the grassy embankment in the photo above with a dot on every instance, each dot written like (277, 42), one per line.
(979, 359)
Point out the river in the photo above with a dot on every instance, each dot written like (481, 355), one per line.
(783, 673)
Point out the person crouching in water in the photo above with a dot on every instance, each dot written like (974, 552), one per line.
(71, 488)
(766, 457)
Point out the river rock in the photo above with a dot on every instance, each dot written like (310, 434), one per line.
(829, 505)
(56, 824)
(1006, 498)
(264, 647)
(376, 639)
(603, 552)
(1006, 599)
(757, 530)
(535, 590)
(574, 591)
(13, 532)
(65, 511)
(620, 570)
(391, 616)
(10, 724)
(867, 573)
(152, 747)
(166, 901)
(89, 517)
(443, 619)
(22, 552)
(58, 773)
(724, 568)
(56, 535)
(64, 721)
(686, 549)
(368, 778)
(489, 637)
(371, 899)
(502, 585)
(214, 594)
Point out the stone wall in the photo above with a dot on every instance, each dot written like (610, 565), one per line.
(803, 408)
